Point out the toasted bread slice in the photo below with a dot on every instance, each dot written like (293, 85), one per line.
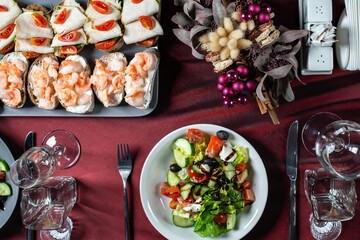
(36, 7)
(11, 57)
(114, 99)
(31, 87)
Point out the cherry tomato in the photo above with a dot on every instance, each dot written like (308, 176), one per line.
(220, 218)
(67, 50)
(173, 204)
(240, 168)
(39, 20)
(2, 174)
(136, 1)
(7, 31)
(38, 41)
(100, 7)
(3, 9)
(214, 147)
(105, 44)
(7, 48)
(148, 42)
(147, 22)
(61, 17)
(69, 37)
(193, 174)
(194, 135)
(30, 54)
(171, 192)
(105, 26)
(249, 196)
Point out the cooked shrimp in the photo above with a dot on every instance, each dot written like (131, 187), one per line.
(118, 81)
(69, 66)
(116, 65)
(40, 78)
(136, 99)
(68, 96)
(3, 82)
(84, 99)
(19, 65)
(39, 92)
(13, 97)
(46, 103)
(52, 66)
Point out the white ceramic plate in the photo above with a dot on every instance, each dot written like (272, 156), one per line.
(342, 47)
(11, 200)
(156, 206)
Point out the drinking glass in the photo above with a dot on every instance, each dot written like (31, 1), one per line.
(62, 233)
(333, 199)
(47, 205)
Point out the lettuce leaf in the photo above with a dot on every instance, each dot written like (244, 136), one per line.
(199, 151)
(212, 229)
(242, 155)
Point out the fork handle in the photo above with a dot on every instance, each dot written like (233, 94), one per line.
(127, 225)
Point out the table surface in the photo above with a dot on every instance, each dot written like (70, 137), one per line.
(188, 96)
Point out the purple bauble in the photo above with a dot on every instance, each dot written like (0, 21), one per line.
(228, 103)
(251, 85)
(220, 87)
(228, 91)
(222, 80)
(265, 7)
(242, 100)
(242, 70)
(254, 8)
(246, 15)
(238, 86)
(264, 17)
(231, 76)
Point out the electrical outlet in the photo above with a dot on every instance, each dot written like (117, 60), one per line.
(319, 59)
(317, 11)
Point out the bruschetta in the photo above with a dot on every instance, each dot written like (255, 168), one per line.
(73, 87)
(9, 11)
(104, 28)
(108, 78)
(67, 21)
(139, 78)
(41, 78)
(13, 70)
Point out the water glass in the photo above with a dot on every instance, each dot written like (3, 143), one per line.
(46, 206)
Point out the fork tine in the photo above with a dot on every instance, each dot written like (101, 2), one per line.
(128, 151)
(118, 154)
(122, 153)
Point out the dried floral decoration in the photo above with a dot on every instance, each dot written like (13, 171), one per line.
(254, 57)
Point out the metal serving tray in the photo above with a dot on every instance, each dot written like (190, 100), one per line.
(90, 53)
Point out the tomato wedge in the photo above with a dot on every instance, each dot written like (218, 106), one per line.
(3, 9)
(173, 203)
(38, 41)
(67, 50)
(147, 22)
(105, 44)
(194, 135)
(136, 1)
(148, 42)
(220, 218)
(39, 20)
(7, 48)
(69, 37)
(105, 26)
(100, 7)
(61, 17)
(171, 192)
(214, 147)
(7, 31)
(30, 54)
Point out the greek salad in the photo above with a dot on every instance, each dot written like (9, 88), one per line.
(207, 183)
(5, 189)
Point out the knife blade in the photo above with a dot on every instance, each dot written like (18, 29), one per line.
(29, 143)
(291, 170)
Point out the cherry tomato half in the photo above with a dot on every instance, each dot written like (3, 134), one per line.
(7, 31)
(38, 41)
(61, 17)
(100, 7)
(105, 44)
(69, 37)
(67, 50)
(105, 26)
(194, 135)
(147, 22)
(39, 20)
(3, 9)
(220, 218)
(30, 54)
(136, 1)
(147, 42)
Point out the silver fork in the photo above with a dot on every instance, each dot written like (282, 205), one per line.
(125, 168)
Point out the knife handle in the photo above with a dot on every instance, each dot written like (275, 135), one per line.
(30, 234)
(292, 215)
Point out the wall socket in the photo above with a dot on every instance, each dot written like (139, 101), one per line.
(319, 58)
(317, 11)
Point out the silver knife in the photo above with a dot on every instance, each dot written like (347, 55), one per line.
(29, 143)
(291, 170)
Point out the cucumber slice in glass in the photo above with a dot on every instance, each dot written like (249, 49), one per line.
(182, 222)
(3, 165)
(180, 159)
(185, 146)
(5, 189)
(172, 178)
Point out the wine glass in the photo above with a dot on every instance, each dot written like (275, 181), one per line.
(60, 149)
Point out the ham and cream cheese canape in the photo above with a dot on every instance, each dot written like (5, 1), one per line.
(141, 27)
(33, 32)
(108, 78)
(104, 30)
(9, 11)
(140, 75)
(67, 20)
(41, 78)
(73, 87)
(13, 69)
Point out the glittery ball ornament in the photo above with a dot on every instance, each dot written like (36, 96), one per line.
(242, 70)
(232, 75)
(246, 15)
(264, 17)
(254, 8)
(265, 7)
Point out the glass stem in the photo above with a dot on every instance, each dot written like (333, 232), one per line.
(59, 150)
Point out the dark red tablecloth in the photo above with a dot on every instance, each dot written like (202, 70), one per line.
(188, 95)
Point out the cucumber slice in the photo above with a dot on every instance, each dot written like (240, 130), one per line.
(243, 177)
(181, 221)
(197, 169)
(183, 174)
(197, 192)
(185, 190)
(230, 221)
(185, 146)
(172, 178)
(204, 189)
(229, 171)
(5, 189)
(180, 158)
(3, 165)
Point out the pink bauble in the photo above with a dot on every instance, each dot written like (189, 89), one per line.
(238, 86)
(246, 15)
(251, 85)
(242, 100)
(222, 80)
(228, 91)
(242, 70)
(265, 7)
(264, 17)
(254, 8)
(232, 76)
(220, 87)
(228, 103)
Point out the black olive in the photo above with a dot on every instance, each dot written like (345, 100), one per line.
(174, 167)
(216, 196)
(223, 135)
(211, 162)
(222, 180)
